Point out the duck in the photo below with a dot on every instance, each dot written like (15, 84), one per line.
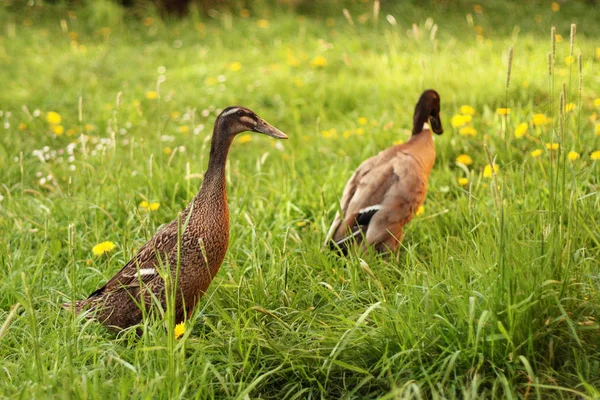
(202, 231)
(386, 190)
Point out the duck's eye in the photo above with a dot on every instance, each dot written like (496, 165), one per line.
(239, 113)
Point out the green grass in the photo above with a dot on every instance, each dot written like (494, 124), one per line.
(495, 293)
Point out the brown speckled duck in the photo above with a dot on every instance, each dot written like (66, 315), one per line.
(203, 241)
(386, 190)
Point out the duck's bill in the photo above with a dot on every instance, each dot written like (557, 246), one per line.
(436, 124)
(269, 130)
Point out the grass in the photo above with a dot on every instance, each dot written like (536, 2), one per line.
(494, 294)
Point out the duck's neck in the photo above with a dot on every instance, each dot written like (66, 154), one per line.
(213, 185)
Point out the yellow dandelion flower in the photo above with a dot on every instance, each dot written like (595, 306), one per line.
(319, 62)
(399, 141)
(595, 155)
(458, 120)
(210, 81)
(598, 53)
(540, 119)
(262, 23)
(463, 181)
(536, 153)
(167, 150)
(346, 134)
(245, 138)
(420, 210)
(569, 60)
(22, 126)
(487, 171)
(153, 206)
(573, 155)
(58, 129)
(503, 111)
(102, 248)
(521, 130)
(89, 127)
(53, 117)
(555, 6)
(597, 102)
(466, 110)
(144, 204)
(467, 131)
(552, 146)
(152, 95)
(559, 38)
(363, 121)
(235, 66)
(175, 114)
(464, 159)
(183, 129)
(598, 130)
(570, 107)
(359, 131)
(179, 330)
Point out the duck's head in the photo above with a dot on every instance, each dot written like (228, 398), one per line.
(234, 120)
(428, 110)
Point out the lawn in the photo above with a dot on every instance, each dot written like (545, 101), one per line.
(106, 122)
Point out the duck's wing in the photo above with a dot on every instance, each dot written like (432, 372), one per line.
(376, 197)
(143, 267)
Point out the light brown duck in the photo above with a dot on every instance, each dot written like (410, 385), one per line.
(203, 238)
(386, 190)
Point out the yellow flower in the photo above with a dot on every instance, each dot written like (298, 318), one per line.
(503, 111)
(359, 131)
(175, 114)
(463, 181)
(487, 171)
(154, 206)
(420, 210)
(262, 23)
(58, 129)
(521, 130)
(569, 60)
(144, 204)
(597, 102)
(536, 153)
(179, 330)
(468, 131)
(71, 132)
(102, 248)
(167, 150)
(555, 6)
(363, 121)
(464, 159)
(467, 110)
(22, 126)
(210, 81)
(148, 21)
(573, 155)
(540, 119)
(595, 155)
(598, 130)
(53, 117)
(552, 146)
(559, 38)
(319, 62)
(151, 95)
(183, 129)
(330, 133)
(598, 53)
(245, 138)
(235, 66)
(569, 107)
(89, 127)
(460, 120)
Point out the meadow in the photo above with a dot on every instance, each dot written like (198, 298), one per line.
(106, 117)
